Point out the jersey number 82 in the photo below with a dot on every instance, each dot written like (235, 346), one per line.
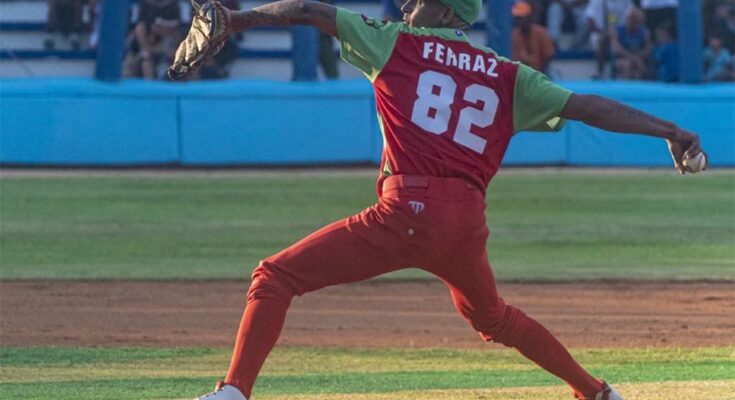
(432, 110)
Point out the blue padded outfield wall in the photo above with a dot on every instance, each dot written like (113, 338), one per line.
(81, 122)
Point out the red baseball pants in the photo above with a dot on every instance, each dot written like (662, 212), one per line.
(436, 224)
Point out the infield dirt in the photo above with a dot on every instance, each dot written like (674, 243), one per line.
(370, 315)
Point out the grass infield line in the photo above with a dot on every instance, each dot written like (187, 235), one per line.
(288, 360)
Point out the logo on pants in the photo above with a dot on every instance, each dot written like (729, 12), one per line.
(417, 206)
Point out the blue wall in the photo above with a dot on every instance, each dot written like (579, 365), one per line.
(84, 122)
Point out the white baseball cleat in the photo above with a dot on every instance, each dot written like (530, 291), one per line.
(608, 393)
(612, 395)
(223, 392)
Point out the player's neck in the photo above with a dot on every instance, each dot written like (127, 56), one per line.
(459, 24)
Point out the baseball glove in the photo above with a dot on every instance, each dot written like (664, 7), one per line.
(207, 36)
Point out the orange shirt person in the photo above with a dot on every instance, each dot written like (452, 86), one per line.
(531, 43)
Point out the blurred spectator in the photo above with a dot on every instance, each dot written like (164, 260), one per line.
(218, 67)
(717, 61)
(666, 53)
(531, 43)
(149, 10)
(724, 25)
(602, 17)
(65, 20)
(154, 38)
(631, 46)
(95, 8)
(659, 12)
(566, 23)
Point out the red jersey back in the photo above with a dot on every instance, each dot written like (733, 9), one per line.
(446, 108)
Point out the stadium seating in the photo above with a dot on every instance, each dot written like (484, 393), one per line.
(265, 52)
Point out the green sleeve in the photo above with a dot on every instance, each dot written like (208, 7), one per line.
(365, 42)
(537, 102)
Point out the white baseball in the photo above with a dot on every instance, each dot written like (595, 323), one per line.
(696, 163)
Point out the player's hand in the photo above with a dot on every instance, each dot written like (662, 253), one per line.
(210, 29)
(682, 146)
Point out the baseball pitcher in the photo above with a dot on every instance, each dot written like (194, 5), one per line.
(447, 109)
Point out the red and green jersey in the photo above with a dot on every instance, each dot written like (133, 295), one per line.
(446, 108)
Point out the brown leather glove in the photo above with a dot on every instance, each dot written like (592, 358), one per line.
(208, 34)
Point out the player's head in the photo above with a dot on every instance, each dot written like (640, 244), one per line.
(459, 14)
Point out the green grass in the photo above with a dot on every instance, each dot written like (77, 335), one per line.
(177, 373)
(564, 225)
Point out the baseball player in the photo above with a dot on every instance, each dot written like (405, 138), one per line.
(447, 110)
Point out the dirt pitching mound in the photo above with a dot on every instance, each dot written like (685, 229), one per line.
(374, 314)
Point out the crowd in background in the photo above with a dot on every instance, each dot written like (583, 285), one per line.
(629, 39)
(155, 30)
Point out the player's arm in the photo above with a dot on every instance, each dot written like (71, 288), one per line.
(611, 115)
(286, 12)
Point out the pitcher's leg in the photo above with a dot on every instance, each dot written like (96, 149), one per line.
(475, 296)
(349, 250)
(260, 326)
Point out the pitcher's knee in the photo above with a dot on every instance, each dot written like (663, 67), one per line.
(506, 326)
(269, 282)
